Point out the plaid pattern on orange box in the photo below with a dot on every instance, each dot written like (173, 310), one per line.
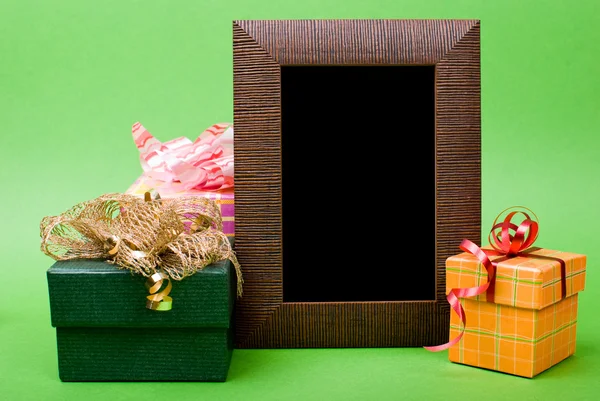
(224, 198)
(530, 326)
(522, 342)
(532, 280)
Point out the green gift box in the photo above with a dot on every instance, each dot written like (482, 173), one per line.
(105, 332)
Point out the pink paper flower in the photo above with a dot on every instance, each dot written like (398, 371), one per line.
(205, 164)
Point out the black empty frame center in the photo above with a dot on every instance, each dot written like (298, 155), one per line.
(358, 183)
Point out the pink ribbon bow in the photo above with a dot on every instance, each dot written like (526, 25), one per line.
(205, 164)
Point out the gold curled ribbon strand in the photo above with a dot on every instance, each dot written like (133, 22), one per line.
(151, 195)
(159, 301)
(113, 241)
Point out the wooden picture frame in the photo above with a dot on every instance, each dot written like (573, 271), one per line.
(262, 51)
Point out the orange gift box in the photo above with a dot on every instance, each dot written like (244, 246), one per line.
(530, 325)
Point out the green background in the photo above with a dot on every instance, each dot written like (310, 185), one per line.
(75, 75)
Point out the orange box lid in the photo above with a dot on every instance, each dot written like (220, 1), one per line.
(531, 280)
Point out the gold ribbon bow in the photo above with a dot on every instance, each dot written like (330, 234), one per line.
(161, 239)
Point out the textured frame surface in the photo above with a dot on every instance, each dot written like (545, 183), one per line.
(260, 48)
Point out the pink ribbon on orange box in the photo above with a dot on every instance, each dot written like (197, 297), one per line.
(504, 244)
(204, 164)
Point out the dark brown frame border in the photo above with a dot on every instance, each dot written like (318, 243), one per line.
(260, 48)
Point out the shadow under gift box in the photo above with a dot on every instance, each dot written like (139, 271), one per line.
(530, 326)
(105, 332)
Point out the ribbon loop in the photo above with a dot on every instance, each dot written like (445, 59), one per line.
(523, 235)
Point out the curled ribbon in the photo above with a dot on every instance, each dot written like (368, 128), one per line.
(205, 164)
(160, 301)
(504, 244)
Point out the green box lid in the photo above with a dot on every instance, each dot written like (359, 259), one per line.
(93, 293)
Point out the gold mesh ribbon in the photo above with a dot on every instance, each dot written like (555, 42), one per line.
(161, 239)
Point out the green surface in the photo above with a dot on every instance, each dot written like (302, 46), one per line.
(92, 293)
(75, 75)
